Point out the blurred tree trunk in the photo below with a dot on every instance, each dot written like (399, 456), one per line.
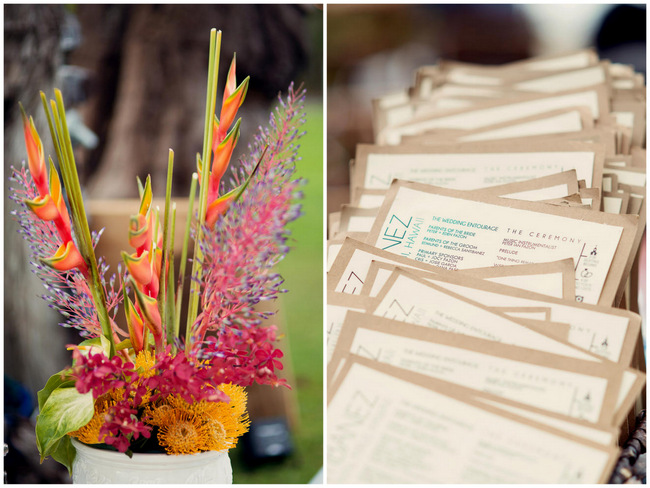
(149, 71)
(34, 346)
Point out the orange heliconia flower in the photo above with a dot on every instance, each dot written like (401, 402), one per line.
(224, 141)
(50, 204)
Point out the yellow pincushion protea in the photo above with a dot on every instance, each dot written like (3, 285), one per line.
(145, 360)
(183, 433)
(89, 433)
(185, 428)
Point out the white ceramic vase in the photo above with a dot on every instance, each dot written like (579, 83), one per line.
(93, 466)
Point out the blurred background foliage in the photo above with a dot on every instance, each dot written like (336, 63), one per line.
(134, 78)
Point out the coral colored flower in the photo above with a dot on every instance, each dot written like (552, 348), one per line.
(139, 231)
(43, 207)
(139, 267)
(218, 207)
(67, 291)
(144, 269)
(224, 141)
(49, 204)
(233, 97)
(67, 257)
(135, 325)
(222, 153)
(148, 306)
(35, 155)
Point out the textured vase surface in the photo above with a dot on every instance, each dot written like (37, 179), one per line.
(93, 466)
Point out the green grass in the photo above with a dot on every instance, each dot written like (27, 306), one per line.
(303, 312)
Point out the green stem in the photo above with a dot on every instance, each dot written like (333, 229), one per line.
(57, 147)
(172, 334)
(186, 240)
(168, 328)
(79, 219)
(211, 100)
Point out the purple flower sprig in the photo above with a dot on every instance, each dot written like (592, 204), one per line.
(67, 291)
(247, 242)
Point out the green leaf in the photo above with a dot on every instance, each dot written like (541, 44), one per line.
(64, 411)
(100, 342)
(55, 381)
(125, 344)
(64, 452)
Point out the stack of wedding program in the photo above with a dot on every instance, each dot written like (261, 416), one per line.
(483, 280)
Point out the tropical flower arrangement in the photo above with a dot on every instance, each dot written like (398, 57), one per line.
(147, 388)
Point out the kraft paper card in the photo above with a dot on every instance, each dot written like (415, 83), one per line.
(618, 161)
(435, 307)
(567, 120)
(570, 387)
(628, 176)
(367, 198)
(356, 219)
(439, 99)
(566, 80)
(387, 425)
(542, 314)
(482, 76)
(545, 188)
(556, 62)
(591, 197)
(549, 187)
(350, 270)
(479, 166)
(631, 115)
(600, 135)
(554, 279)
(518, 82)
(334, 245)
(610, 182)
(338, 304)
(608, 332)
(333, 221)
(603, 434)
(615, 202)
(458, 230)
(489, 113)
